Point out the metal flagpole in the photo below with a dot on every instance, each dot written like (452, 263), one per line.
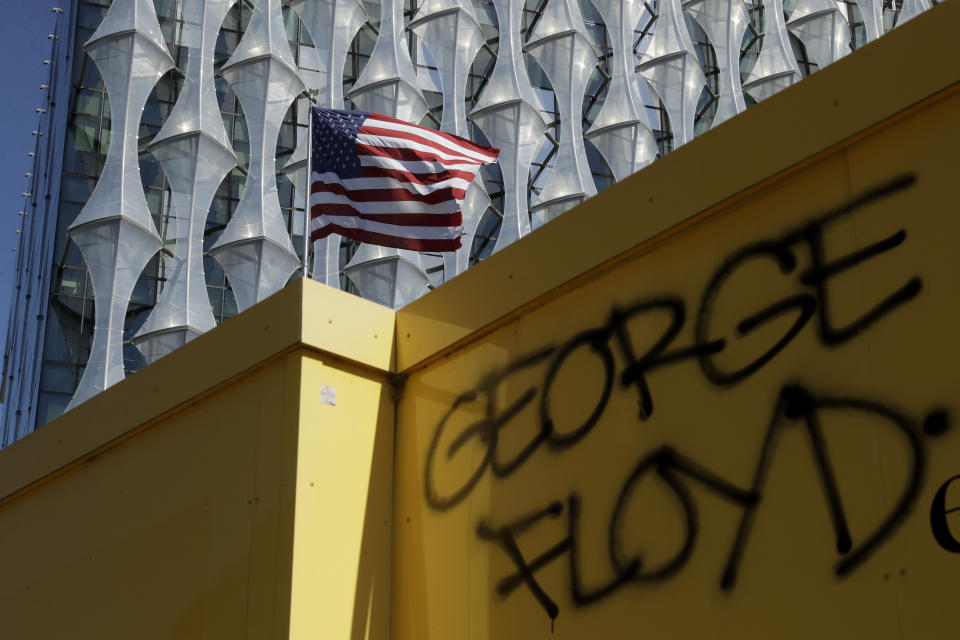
(306, 191)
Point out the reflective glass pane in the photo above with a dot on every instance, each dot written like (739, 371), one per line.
(76, 189)
(50, 406)
(84, 130)
(216, 300)
(144, 293)
(290, 24)
(154, 200)
(58, 377)
(88, 102)
(54, 342)
(70, 282)
(229, 304)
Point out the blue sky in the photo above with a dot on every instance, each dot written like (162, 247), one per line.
(23, 47)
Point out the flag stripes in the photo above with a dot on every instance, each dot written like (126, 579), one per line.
(383, 181)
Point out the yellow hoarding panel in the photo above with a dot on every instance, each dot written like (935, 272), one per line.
(347, 326)
(238, 488)
(747, 430)
(178, 532)
(342, 542)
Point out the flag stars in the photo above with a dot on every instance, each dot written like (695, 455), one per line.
(334, 140)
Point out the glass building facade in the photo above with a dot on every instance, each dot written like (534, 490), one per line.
(639, 57)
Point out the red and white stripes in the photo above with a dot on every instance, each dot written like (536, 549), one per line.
(409, 192)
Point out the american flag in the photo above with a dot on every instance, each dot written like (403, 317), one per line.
(387, 182)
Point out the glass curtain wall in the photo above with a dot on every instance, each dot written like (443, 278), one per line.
(69, 326)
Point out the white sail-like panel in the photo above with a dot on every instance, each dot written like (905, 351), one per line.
(194, 150)
(872, 13)
(672, 70)
(621, 131)
(559, 43)
(388, 85)
(332, 25)
(255, 249)
(511, 117)
(387, 276)
(822, 29)
(449, 30)
(388, 82)
(776, 67)
(115, 231)
(724, 22)
(475, 204)
(295, 168)
(911, 9)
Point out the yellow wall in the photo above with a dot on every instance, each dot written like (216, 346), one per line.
(222, 493)
(175, 533)
(341, 580)
(523, 444)
(553, 444)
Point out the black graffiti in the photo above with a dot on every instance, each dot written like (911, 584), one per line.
(938, 518)
(796, 406)
(806, 300)
(505, 537)
(614, 338)
(817, 278)
(487, 430)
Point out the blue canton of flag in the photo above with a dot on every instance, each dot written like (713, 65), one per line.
(334, 140)
(387, 182)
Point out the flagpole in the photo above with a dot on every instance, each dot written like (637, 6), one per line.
(306, 190)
